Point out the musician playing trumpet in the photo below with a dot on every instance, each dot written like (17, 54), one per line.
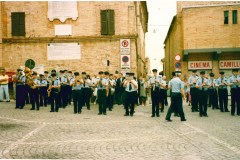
(53, 89)
(234, 83)
(212, 90)
(76, 84)
(155, 83)
(222, 92)
(34, 84)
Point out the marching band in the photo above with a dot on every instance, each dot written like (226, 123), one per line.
(60, 89)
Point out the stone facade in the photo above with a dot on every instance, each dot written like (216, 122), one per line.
(198, 33)
(130, 23)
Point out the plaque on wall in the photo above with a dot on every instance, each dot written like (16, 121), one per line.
(63, 30)
(62, 10)
(63, 51)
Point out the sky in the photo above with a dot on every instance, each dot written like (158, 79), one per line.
(160, 13)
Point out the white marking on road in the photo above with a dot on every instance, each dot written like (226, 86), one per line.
(233, 148)
(20, 141)
(70, 123)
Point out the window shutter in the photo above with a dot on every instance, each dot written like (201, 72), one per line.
(18, 24)
(111, 24)
(225, 17)
(104, 29)
(21, 24)
(234, 16)
(15, 19)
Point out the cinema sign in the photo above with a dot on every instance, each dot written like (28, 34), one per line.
(229, 64)
(199, 65)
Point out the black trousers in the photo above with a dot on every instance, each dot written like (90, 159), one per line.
(77, 101)
(110, 99)
(130, 101)
(176, 105)
(43, 96)
(20, 96)
(119, 96)
(86, 96)
(54, 99)
(235, 100)
(194, 96)
(102, 98)
(69, 94)
(27, 94)
(202, 95)
(155, 95)
(64, 96)
(34, 98)
(223, 99)
(213, 98)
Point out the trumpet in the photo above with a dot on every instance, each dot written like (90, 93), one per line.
(49, 92)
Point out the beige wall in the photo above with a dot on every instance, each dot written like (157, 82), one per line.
(95, 48)
(87, 24)
(93, 56)
(201, 28)
(204, 28)
(182, 4)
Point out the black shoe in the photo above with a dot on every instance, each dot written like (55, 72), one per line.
(183, 120)
(131, 115)
(192, 110)
(37, 109)
(88, 108)
(200, 115)
(8, 101)
(232, 114)
(221, 110)
(168, 120)
(80, 112)
(126, 114)
(1, 101)
(32, 109)
(153, 116)
(99, 113)
(74, 112)
(158, 115)
(17, 108)
(110, 109)
(21, 108)
(56, 110)
(205, 115)
(227, 111)
(162, 110)
(51, 111)
(217, 108)
(104, 113)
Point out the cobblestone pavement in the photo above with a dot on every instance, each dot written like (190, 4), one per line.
(43, 135)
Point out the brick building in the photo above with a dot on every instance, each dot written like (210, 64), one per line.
(82, 36)
(206, 36)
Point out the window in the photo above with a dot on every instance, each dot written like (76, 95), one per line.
(226, 17)
(18, 24)
(234, 16)
(107, 22)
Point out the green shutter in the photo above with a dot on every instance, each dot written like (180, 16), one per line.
(226, 17)
(104, 29)
(21, 24)
(111, 24)
(18, 24)
(234, 16)
(15, 19)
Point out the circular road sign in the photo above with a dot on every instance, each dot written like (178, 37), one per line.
(124, 43)
(177, 65)
(125, 59)
(178, 57)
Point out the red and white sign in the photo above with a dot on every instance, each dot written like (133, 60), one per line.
(178, 57)
(229, 64)
(199, 65)
(124, 46)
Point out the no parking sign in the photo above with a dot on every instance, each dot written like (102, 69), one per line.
(124, 46)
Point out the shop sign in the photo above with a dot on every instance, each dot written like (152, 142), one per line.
(229, 64)
(199, 65)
